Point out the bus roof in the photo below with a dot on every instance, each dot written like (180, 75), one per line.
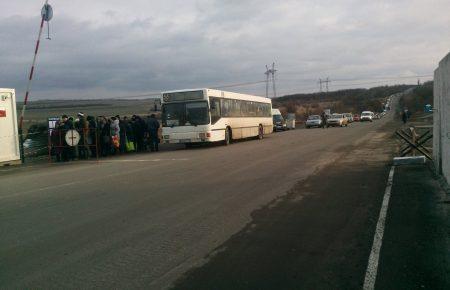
(225, 94)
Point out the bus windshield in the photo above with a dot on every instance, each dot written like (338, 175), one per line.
(185, 114)
(197, 113)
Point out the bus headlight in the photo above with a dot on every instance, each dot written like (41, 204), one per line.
(204, 135)
(166, 137)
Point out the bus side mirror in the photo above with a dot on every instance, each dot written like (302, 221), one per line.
(213, 106)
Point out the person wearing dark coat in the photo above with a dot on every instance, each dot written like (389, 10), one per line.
(324, 119)
(92, 135)
(123, 134)
(139, 132)
(152, 128)
(105, 136)
(64, 126)
(128, 124)
(82, 127)
(57, 140)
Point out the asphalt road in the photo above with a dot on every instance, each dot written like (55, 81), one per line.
(148, 220)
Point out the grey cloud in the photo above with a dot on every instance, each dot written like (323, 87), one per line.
(206, 43)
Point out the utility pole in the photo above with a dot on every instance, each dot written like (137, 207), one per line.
(270, 72)
(327, 81)
(267, 73)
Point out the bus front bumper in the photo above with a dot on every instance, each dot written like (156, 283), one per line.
(186, 138)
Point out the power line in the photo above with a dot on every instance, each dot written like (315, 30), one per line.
(348, 85)
(382, 80)
(239, 85)
(360, 78)
(157, 94)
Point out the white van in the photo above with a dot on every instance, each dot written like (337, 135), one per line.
(366, 116)
(279, 124)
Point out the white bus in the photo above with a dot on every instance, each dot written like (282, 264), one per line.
(207, 115)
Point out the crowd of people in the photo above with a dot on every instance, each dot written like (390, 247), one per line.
(103, 136)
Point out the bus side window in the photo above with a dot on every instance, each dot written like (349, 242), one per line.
(214, 107)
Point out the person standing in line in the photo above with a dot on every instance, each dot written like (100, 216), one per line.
(138, 131)
(135, 132)
(129, 131)
(56, 139)
(152, 128)
(122, 135)
(106, 136)
(92, 136)
(100, 125)
(115, 135)
(83, 128)
(63, 128)
(142, 133)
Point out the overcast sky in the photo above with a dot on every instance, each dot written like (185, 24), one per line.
(109, 48)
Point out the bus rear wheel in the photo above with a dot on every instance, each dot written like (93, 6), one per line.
(260, 132)
(227, 139)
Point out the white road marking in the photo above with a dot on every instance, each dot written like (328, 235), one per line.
(372, 266)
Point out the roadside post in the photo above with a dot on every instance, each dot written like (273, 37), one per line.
(52, 121)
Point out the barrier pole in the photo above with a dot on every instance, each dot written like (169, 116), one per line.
(30, 78)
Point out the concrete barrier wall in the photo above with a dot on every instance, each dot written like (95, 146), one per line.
(441, 118)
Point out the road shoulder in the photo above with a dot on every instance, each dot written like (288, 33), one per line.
(416, 247)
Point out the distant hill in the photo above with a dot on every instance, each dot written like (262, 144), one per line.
(38, 111)
(351, 100)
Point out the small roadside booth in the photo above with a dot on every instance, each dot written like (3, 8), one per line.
(290, 121)
(9, 137)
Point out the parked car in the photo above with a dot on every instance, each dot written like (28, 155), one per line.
(349, 117)
(356, 118)
(313, 121)
(336, 120)
(366, 116)
(279, 124)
